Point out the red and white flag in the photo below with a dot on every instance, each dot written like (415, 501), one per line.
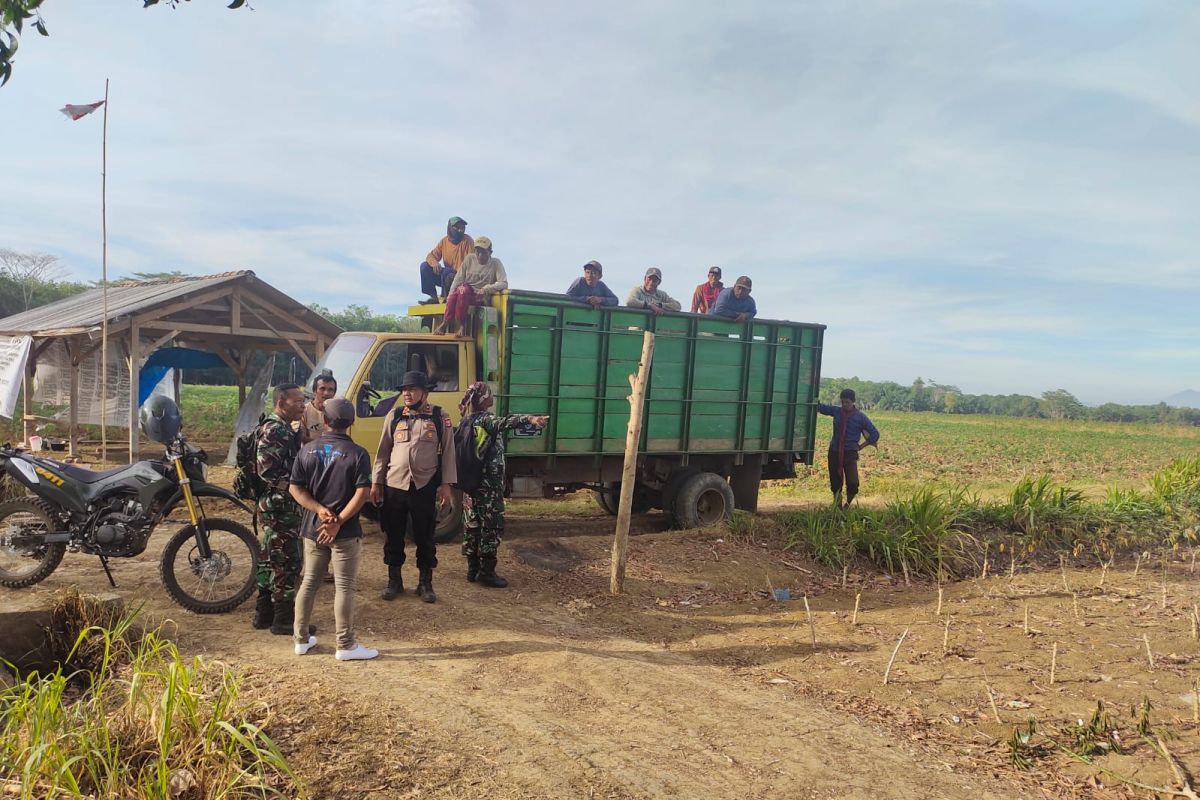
(78, 112)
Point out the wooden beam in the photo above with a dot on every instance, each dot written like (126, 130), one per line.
(183, 305)
(160, 341)
(134, 369)
(40, 347)
(255, 300)
(235, 308)
(303, 355)
(221, 330)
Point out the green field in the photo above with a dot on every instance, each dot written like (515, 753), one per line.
(990, 454)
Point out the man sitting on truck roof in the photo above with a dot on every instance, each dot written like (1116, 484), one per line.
(706, 293)
(736, 303)
(441, 265)
(481, 275)
(649, 296)
(590, 289)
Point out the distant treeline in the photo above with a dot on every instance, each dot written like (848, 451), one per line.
(924, 395)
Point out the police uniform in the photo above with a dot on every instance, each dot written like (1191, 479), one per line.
(409, 464)
(279, 566)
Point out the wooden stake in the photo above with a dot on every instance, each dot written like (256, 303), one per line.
(1162, 601)
(992, 701)
(984, 573)
(1062, 566)
(904, 568)
(1149, 655)
(812, 628)
(1192, 569)
(1104, 572)
(1137, 565)
(1075, 604)
(1195, 701)
(633, 436)
(857, 600)
(845, 570)
(939, 607)
(1053, 661)
(887, 672)
(1195, 622)
(946, 635)
(1012, 565)
(1027, 619)
(104, 289)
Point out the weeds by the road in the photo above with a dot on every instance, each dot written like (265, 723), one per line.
(157, 726)
(940, 532)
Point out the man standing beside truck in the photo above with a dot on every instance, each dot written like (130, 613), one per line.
(736, 303)
(414, 471)
(441, 265)
(590, 289)
(649, 296)
(324, 386)
(849, 426)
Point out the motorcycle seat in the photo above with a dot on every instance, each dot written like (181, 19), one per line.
(86, 475)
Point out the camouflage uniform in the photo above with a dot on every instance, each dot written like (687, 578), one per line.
(281, 557)
(485, 519)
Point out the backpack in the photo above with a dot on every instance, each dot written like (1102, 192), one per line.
(246, 482)
(439, 419)
(472, 448)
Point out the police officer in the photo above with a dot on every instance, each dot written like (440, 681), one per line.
(276, 447)
(414, 469)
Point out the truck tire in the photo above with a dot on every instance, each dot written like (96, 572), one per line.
(610, 498)
(704, 499)
(671, 491)
(450, 520)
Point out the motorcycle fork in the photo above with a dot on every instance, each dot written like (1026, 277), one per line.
(193, 507)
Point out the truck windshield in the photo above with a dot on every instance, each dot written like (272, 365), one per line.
(343, 358)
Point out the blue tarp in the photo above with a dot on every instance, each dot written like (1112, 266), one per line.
(172, 357)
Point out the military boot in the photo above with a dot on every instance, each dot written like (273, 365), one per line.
(395, 585)
(264, 611)
(487, 573)
(425, 586)
(285, 618)
(472, 568)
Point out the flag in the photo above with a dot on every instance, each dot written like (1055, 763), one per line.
(78, 112)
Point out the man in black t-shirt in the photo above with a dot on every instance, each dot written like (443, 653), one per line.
(331, 480)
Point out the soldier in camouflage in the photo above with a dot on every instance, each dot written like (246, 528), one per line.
(281, 557)
(484, 508)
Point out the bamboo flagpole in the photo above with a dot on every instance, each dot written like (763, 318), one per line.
(78, 112)
(633, 436)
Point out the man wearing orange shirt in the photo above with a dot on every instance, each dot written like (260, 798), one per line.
(441, 265)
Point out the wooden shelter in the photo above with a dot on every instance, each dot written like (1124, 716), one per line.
(232, 314)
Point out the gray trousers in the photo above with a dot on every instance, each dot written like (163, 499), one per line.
(344, 556)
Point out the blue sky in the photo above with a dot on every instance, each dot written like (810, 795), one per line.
(999, 195)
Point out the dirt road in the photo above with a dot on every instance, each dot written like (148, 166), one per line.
(553, 689)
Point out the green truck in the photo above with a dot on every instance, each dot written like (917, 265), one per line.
(728, 404)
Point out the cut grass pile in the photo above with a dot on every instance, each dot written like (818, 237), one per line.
(953, 533)
(140, 722)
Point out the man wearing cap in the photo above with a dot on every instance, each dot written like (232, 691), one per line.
(736, 303)
(331, 480)
(414, 470)
(706, 293)
(649, 296)
(849, 427)
(590, 289)
(480, 276)
(439, 267)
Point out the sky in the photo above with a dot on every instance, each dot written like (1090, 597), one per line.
(1001, 196)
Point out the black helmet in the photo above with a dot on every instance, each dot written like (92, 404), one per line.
(160, 419)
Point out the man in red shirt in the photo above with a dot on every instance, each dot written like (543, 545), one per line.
(706, 293)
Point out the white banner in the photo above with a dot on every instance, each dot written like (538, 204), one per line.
(14, 352)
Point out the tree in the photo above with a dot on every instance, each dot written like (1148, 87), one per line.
(14, 14)
(1061, 404)
(360, 318)
(27, 270)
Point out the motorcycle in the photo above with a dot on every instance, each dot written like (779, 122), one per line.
(208, 566)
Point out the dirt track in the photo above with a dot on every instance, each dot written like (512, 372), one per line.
(549, 688)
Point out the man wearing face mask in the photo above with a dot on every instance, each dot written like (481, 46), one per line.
(414, 469)
(441, 265)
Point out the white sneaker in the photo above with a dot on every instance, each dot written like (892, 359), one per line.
(356, 653)
(302, 648)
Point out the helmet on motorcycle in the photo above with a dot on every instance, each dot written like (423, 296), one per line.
(160, 419)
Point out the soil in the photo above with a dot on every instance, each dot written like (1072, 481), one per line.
(695, 683)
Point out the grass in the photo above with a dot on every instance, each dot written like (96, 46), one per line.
(141, 722)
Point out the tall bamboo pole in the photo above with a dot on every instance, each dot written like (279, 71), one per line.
(103, 382)
(633, 436)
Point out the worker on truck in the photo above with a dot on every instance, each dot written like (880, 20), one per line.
(706, 293)
(736, 303)
(590, 289)
(480, 276)
(441, 265)
(649, 296)
(849, 426)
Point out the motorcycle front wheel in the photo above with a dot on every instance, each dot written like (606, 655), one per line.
(216, 584)
(24, 560)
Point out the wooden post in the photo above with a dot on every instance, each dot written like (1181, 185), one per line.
(243, 362)
(629, 475)
(74, 348)
(27, 399)
(134, 369)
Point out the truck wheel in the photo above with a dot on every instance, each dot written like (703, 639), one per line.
(610, 498)
(671, 491)
(450, 520)
(703, 500)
